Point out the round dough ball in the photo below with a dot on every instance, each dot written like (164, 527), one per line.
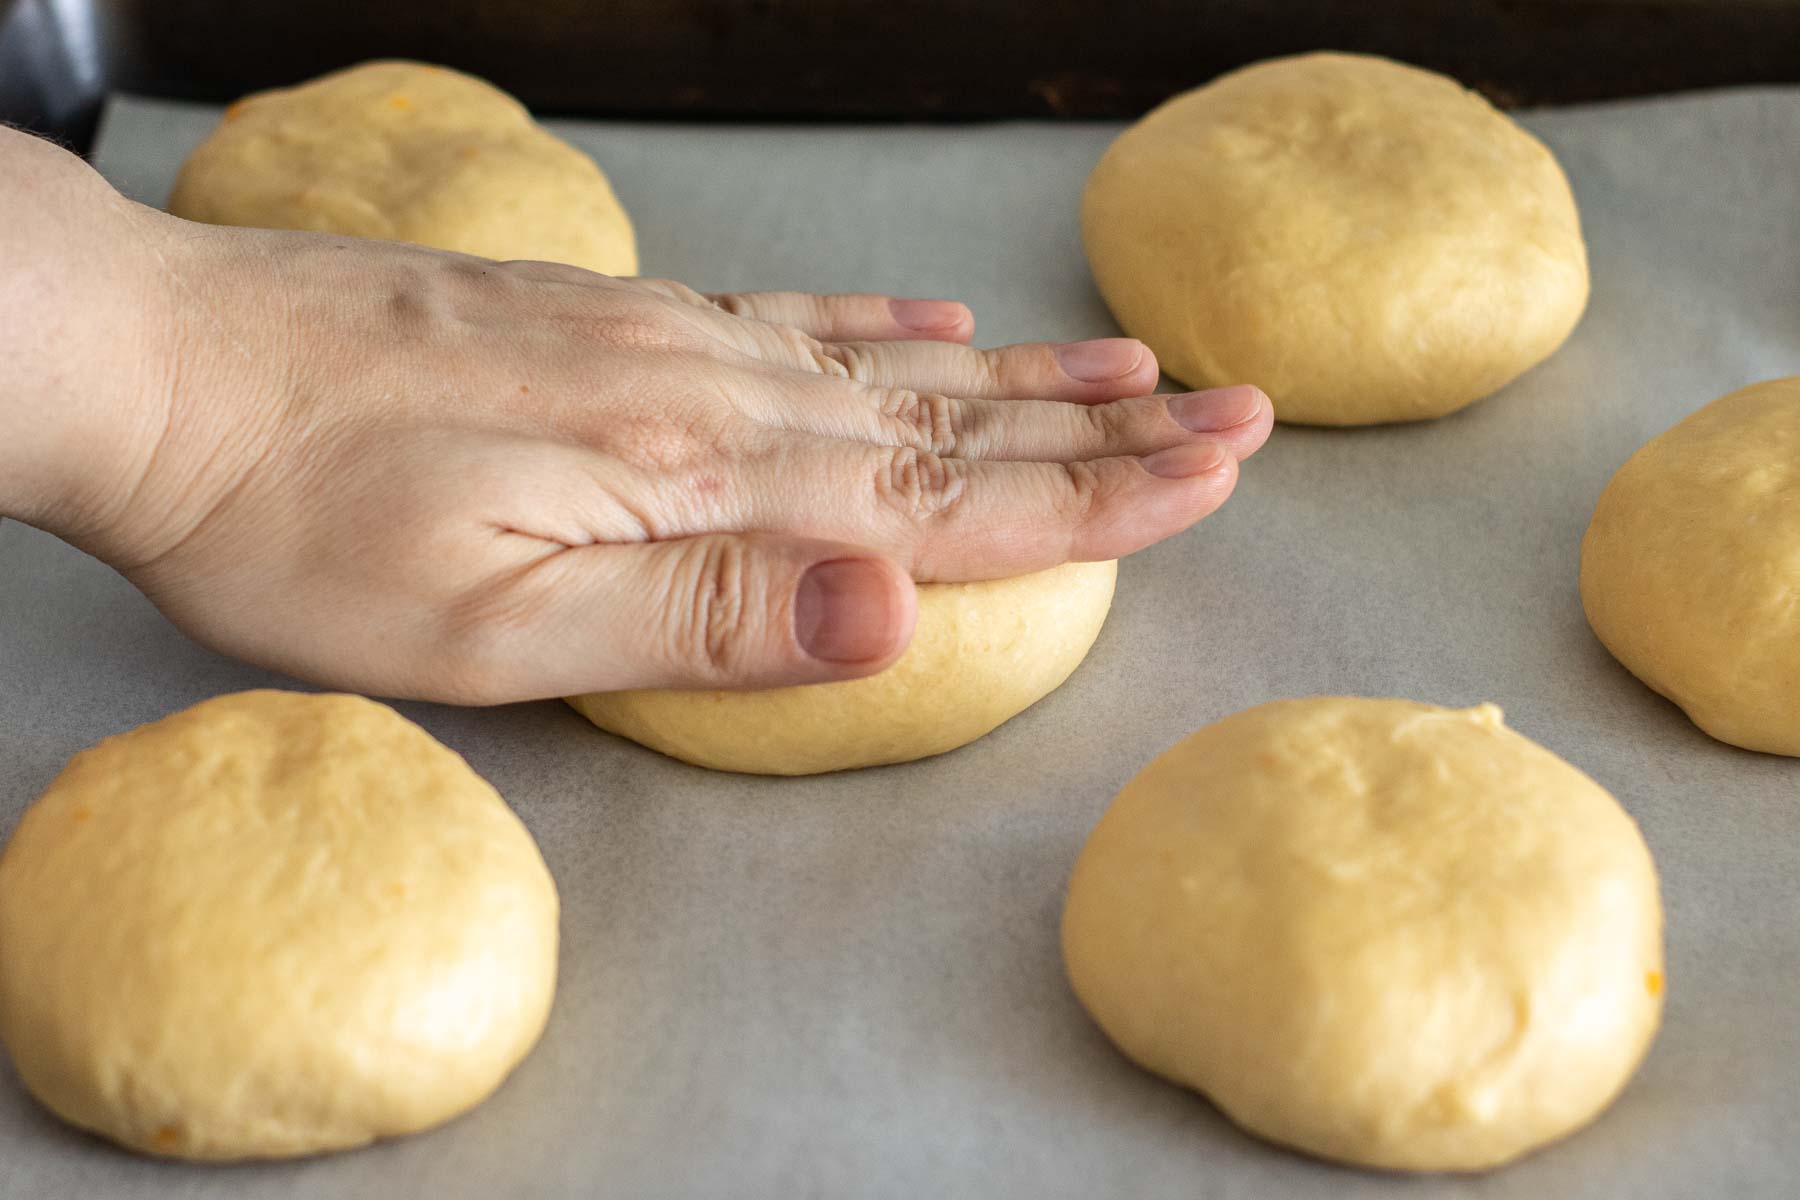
(270, 925)
(410, 153)
(1376, 931)
(1690, 571)
(981, 654)
(1365, 240)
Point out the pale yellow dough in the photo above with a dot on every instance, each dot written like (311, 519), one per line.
(1377, 931)
(981, 654)
(1690, 571)
(410, 153)
(1365, 240)
(270, 925)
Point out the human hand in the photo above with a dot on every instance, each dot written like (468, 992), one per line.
(419, 474)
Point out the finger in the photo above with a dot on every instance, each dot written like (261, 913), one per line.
(853, 318)
(956, 518)
(1082, 372)
(1239, 418)
(715, 611)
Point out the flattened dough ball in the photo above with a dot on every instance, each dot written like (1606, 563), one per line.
(981, 653)
(411, 153)
(1365, 240)
(1376, 931)
(270, 925)
(1690, 571)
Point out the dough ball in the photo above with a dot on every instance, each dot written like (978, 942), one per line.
(410, 153)
(981, 654)
(270, 925)
(1376, 931)
(1367, 241)
(1690, 571)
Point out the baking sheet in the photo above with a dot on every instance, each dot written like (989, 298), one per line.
(849, 986)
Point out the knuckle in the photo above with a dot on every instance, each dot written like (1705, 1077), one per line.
(734, 304)
(712, 622)
(676, 290)
(810, 354)
(541, 270)
(1107, 425)
(1007, 371)
(449, 296)
(623, 318)
(926, 421)
(920, 485)
(1084, 488)
(683, 434)
(844, 360)
(643, 323)
(636, 332)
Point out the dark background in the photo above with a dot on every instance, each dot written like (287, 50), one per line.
(869, 59)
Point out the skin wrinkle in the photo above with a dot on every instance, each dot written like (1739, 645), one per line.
(720, 616)
(1083, 498)
(161, 401)
(645, 528)
(921, 486)
(844, 361)
(479, 626)
(158, 447)
(216, 471)
(1108, 424)
(928, 423)
(197, 530)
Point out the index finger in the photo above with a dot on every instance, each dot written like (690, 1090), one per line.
(953, 519)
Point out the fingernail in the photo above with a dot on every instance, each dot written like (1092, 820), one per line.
(924, 316)
(1100, 359)
(1220, 408)
(844, 611)
(1185, 462)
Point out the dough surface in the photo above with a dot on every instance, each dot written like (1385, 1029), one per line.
(1690, 570)
(411, 153)
(1365, 240)
(270, 925)
(1376, 931)
(981, 654)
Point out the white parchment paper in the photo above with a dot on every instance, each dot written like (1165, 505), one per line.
(849, 986)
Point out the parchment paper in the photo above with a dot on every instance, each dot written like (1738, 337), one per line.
(849, 986)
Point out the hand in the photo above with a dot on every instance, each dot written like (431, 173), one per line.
(420, 474)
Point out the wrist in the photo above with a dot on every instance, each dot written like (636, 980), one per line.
(80, 323)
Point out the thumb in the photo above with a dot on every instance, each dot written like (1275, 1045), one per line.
(718, 611)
